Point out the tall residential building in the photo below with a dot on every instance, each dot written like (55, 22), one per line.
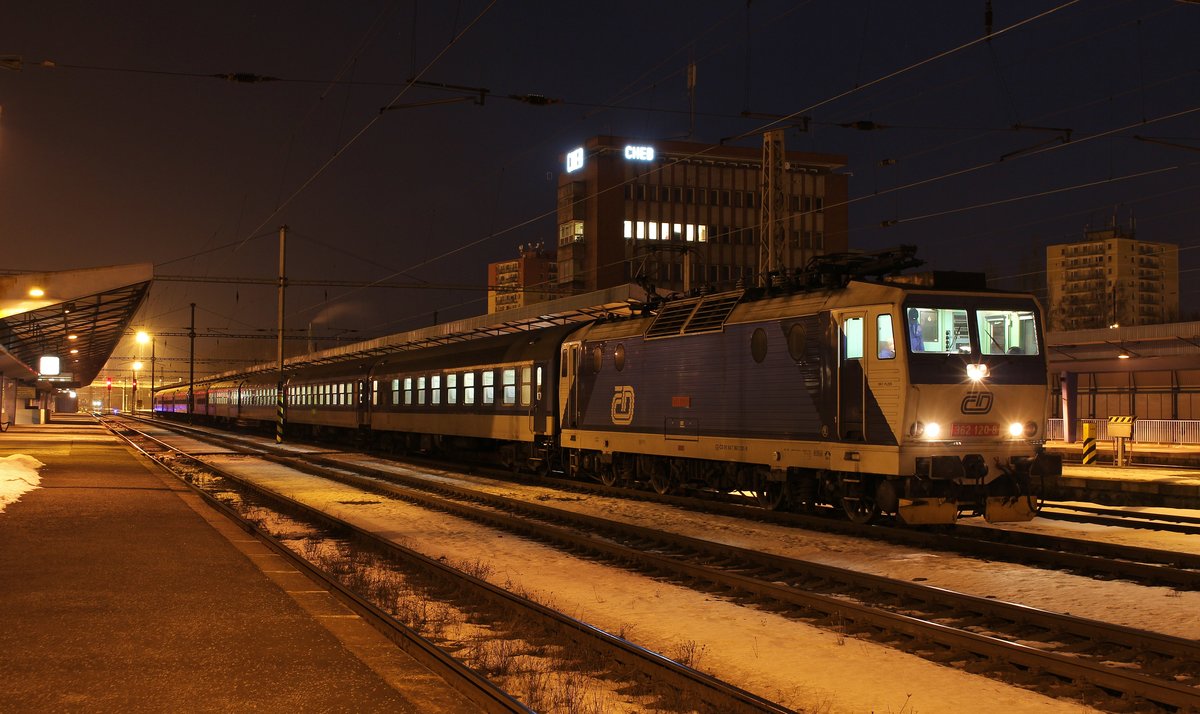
(676, 212)
(523, 281)
(1110, 278)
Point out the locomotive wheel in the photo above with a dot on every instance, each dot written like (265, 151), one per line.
(608, 475)
(771, 495)
(860, 510)
(662, 482)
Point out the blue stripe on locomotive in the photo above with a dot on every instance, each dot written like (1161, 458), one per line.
(725, 390)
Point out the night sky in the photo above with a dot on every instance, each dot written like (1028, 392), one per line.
(128, 149)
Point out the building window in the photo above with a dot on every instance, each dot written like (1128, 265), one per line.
(641, 192)
(628, 230)
(677, 232)
(640, 233)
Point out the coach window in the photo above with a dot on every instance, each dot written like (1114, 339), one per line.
(435, 389)
(375, 392)
(508, 379)
(538, 391)
(395, 391)
(885, 344)
(468, 388)
(420, 390)
(408, 391)
(452, 388)
(487, 380)
(526, 386)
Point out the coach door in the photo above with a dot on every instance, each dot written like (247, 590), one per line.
(851, 390)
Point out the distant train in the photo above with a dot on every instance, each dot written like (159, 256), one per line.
(873, 396)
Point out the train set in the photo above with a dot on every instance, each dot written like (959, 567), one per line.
(886, 396)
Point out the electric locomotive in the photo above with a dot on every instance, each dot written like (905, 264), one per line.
(878, 397)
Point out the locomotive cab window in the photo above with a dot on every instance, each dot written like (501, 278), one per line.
(1006, 332)
(939, 330)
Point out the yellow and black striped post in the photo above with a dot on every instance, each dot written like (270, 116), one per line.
(1089, 443)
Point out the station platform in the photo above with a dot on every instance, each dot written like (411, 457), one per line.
(121, 590)
(1160, 475)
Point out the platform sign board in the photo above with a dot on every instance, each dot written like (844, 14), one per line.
(1120, 427)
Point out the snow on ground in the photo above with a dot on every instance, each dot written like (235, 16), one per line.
(18, 474)
(795, 664)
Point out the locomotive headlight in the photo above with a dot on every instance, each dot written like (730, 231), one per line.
(933, 430)
(1016, 428)
(977, 372)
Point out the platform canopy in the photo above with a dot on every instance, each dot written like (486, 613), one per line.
(72, 317)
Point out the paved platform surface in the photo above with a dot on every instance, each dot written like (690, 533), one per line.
(120, 590)
(1163, 475)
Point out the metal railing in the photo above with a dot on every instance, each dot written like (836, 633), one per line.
(1146, 431)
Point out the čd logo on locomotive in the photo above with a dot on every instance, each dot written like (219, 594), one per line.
(622, 405)
(977, 403)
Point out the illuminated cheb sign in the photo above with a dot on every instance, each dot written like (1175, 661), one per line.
(639, 153)
(575, 160)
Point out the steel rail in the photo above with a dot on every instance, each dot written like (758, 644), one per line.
(1162, 691)
(714, 694)
(474, 687)
(1138, 564)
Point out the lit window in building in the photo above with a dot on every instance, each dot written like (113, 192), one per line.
(677, 233)
(628, 230)
(641, 230)
(691, 233)
(702, 233)
(666, 231)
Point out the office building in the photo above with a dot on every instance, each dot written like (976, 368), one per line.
(1111, 279)
(682, 215)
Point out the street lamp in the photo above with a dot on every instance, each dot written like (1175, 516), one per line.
(142, 338)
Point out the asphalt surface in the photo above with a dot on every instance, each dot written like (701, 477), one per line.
(120, 590)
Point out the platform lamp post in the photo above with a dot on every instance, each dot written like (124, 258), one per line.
(133, 392)
(142, 338)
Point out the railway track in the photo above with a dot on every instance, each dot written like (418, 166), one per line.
(1121, 517)
(668, 684)
(1104, 664)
